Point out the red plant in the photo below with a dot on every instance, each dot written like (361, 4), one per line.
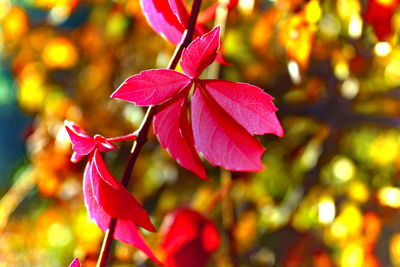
(223, 114)
(105, 197)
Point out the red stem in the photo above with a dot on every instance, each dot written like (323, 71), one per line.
(144, 128)
(127, 137)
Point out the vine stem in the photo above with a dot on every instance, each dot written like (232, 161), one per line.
(144, 128)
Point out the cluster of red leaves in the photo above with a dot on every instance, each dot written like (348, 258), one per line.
(223, 114)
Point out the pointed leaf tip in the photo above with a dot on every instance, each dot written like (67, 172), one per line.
(82, 143)
(75, 263)
(201, 53)
(114, 198)
(247, 104)
(172, 128)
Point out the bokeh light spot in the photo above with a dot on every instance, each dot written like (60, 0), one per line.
(389, 196)
(60, 53)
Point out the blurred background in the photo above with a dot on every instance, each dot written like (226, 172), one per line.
(330, 192)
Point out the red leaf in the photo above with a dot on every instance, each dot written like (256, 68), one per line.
(75, 263)
(180, 10)
(114, 198)
(173, 131)
(125, 231)
(152, 87)
(82, 143)
(160, 16)
(103, 145)
(189, 239)
(200, 53)
(222, 141)
(247, 104)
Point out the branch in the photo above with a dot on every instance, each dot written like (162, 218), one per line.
(144, 128)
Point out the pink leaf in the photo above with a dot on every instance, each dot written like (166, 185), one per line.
(200, 53)
(103, 144)
(76, 157)
(180, 10)
(247, 104)
(81, 143)
(173, 131)
(152, 87)
(75, 263)
(125, 231)
(114, 198)
(222, 141)
(160, 16)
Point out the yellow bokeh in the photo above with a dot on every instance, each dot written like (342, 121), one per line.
(49, 4)
(394, 247)
(389, 196)
(347, 8)
(352, 256)
(297, 35)
(384, 149)
(31, 87)
(15, 24)
(313, 11)
(358, 191)
(60, 53)
(348, 223)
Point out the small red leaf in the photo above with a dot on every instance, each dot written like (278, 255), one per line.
(125, 231)
(75, 263)
(152, 87)
(160, 16)
(103, 145)
(247, 104)
(200, 53)
(81, 143)
(114, 198)
(222, 141)
(173, 131)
